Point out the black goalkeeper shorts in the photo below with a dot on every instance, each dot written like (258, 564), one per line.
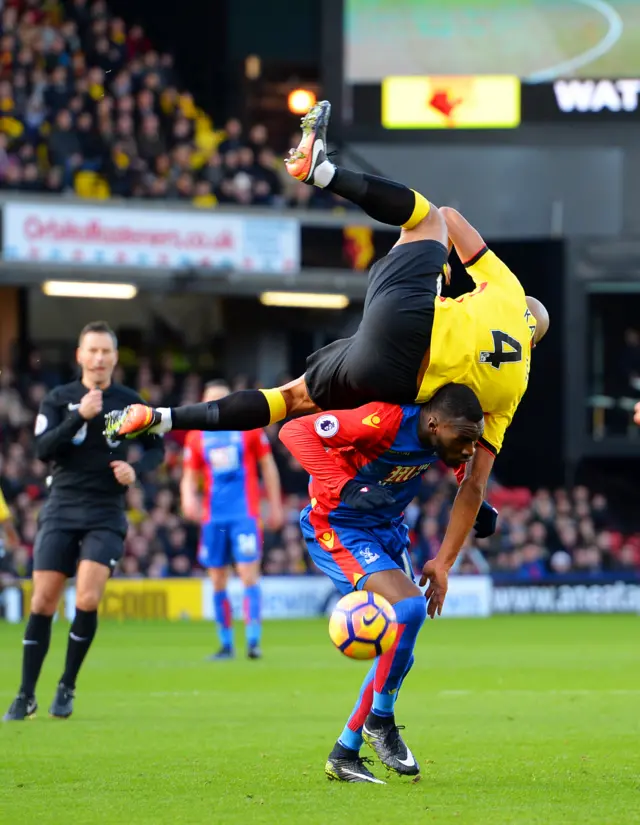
(382, 361)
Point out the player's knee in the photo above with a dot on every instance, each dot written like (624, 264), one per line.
(249, 574)
(88, 600)
(44, 604)
(431, 226)
(218, 576)
(412, 612)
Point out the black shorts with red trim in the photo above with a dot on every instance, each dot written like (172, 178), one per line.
(382, 361)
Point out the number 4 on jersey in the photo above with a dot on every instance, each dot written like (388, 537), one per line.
(506, 350)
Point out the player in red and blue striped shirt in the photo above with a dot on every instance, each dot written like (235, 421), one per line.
(365, 467)
(224, 465)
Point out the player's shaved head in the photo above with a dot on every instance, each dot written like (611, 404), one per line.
(457, 401)
(539, 312)
(452, 422)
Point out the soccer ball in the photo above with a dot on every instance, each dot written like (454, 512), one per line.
(363, 625)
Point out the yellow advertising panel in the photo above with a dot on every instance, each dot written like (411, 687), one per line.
(152, 599)
(138, 599)
(457, 102)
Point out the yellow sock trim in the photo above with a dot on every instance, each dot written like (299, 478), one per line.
(277, 405)
(420, 211)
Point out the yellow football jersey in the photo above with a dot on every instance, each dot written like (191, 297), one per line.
(5, 513)
(483, 340)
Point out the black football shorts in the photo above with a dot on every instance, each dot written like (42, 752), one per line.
(381, 362)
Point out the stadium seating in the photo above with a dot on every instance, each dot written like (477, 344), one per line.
(88, 106)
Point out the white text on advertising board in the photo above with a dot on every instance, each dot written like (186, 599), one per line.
(597, 95)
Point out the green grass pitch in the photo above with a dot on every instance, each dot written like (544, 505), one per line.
(515, 720)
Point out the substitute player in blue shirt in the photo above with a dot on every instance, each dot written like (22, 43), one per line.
(224, 466)
(365, 467)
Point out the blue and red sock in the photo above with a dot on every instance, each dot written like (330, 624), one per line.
(222, 613)
(253, 625)
(382, 683)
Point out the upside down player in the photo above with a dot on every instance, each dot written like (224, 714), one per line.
(227, 463)
(365, 467)
(410, 342)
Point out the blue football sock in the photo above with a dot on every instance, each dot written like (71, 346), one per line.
(253, 625)
(350, 739)
(393, 666)
(222, 613)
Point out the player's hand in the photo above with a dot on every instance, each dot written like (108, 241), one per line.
(437, 575)
(486, 521)
(636, 416)
(124, 473)
(191, 509)
(91, 404)
(366, 497)
(275, 519)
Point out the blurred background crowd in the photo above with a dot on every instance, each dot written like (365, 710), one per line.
(540, 534)
(87, 105)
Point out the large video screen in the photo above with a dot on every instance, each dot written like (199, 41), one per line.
(536, 40)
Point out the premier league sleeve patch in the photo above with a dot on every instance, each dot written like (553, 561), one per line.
(327, 426)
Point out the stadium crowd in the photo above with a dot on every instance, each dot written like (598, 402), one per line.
(87, 105)
(539, 534)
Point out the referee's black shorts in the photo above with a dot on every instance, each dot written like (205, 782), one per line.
(59, 546)
(382, 361)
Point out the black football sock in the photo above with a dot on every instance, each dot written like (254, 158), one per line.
(385, 200)
(37, 636)
(83, 629)
(244, 410)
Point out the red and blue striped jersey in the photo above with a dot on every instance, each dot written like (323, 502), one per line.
(375, 444)
(227, 464)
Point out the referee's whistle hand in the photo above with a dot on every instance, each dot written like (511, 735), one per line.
(91, 404)
(124, 473)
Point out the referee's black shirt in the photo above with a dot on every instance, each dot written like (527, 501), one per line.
(84, 491)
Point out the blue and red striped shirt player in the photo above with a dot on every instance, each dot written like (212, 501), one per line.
(221, 489)
(366, 467)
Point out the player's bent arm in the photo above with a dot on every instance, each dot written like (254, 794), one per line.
(189, 501)
(271, 480)
(481, 263)
(300, 438)
(365, 428)
(53, 431)
(465, 508)
(466, 239)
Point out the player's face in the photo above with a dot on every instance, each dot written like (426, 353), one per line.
(98, 357)
(455, 441)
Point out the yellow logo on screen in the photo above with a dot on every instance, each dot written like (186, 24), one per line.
(458, 102)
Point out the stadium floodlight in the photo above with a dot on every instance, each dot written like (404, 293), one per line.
(89, 289)
(300, 101)
(311, 300)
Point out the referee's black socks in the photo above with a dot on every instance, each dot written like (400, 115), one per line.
(37, 636)
(244, 410)
(385, 200)
(81, 634)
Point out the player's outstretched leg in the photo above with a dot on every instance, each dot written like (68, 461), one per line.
(36, 640)
(380, 731)
(384, 200)
(244, 410)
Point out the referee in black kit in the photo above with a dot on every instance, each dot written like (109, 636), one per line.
(82, 526)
